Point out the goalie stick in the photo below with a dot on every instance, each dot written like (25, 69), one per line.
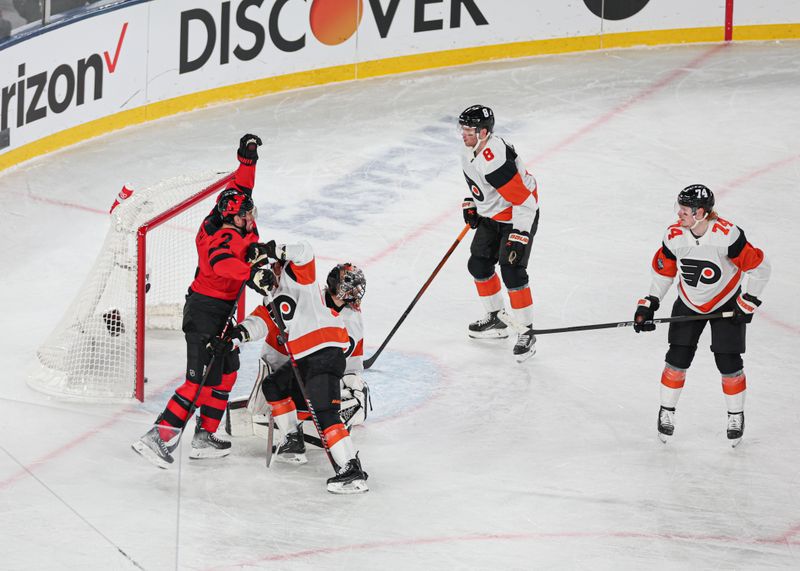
(368, 362)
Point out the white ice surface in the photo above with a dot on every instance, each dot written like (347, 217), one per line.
(475, 462)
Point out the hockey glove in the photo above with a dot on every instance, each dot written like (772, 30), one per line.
(515, 246)
(248, 149)
(262, 280)
(276, 251)
(645, 311)
(470, 211)
(234, 337)
(258, 253)
(746, 305)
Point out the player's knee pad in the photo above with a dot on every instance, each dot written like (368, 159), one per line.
(729, 363)
(480, 268)
(680, 356)
(514, 277)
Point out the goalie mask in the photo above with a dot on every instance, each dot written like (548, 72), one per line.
(347, 282)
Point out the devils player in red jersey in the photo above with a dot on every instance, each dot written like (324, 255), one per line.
(225, 261)
(711, 257)
(503, 209)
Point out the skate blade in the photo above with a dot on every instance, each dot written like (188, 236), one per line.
(291, 458)
(144, 451)
(207, 453)
(664, 437)
(735, 442)
(525, 356)
(354, 487)
(491, 334)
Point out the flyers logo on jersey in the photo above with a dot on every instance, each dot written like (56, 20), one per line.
(474, 189)
(286, 305)
(694, 272)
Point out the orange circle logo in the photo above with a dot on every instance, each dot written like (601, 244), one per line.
(334, 21)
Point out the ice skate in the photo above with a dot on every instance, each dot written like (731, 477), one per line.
(666, 423)
(492, 326)
(292, 450)
(351, 479)
(735, 428)
(207, 445)
(151, 447)
(525, 347)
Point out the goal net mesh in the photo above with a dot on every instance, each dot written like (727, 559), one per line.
(92, 353)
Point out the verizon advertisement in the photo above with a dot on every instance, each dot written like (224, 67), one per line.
(157, 58)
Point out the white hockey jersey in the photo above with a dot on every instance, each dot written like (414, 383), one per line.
(501, 186)
(354, 323)
(310, 324)
(710, 268)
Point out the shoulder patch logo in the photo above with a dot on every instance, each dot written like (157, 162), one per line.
(694, 272)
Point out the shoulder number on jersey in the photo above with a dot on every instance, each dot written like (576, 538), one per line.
(722, 225)
(488, 154)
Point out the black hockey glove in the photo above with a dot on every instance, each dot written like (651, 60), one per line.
(248, 149)
(234, 337)
(746, 305)
(262, 280)
(645, 311)
(515, 246)
(471, 215)
(258, 253)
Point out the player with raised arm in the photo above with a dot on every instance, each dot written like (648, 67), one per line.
(711, 257)
(317, 339)
(225, 261)
(503, 209)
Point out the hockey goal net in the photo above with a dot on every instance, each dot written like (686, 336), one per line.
(138, 282)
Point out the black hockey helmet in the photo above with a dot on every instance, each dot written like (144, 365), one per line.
(347, 282)
(697, 196)
(478, 116)
(233, 202)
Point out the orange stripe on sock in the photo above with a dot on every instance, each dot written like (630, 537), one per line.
(734, 385)
(335, 433)
(520, 298)
(282, 406)
(488, 287)
(672, 378)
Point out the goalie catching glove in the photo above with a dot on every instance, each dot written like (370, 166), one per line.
(645, 312)
(355, 397)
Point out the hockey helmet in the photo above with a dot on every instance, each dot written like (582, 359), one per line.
(697, 196)
(347, 282)
(233, 202)
(477, 116)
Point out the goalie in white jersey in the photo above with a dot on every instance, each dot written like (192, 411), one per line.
(711, 257)
(503, 209)
(317, 339)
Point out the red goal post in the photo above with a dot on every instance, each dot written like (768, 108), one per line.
(137, 284)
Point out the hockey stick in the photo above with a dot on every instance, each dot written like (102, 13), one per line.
(283, 339)
(679, 319)
(368, 362)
